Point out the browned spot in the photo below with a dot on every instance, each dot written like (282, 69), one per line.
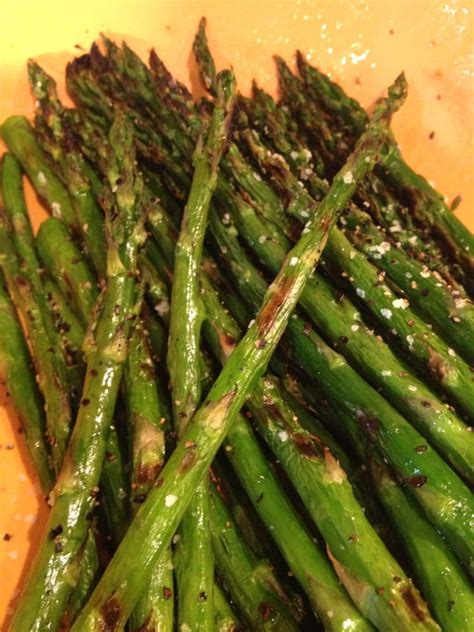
(269, 312)
(147, 473)
(417, 481)
(227, 344)
(369, 423)
(414, 603)
(421, 448)
(307, 445)
(265, 610)
(111, 614)
(187, 462)
(167, 592)
(437, 365)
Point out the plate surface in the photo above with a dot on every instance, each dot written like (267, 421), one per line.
(364, 44)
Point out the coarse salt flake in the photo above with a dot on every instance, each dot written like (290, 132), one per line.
(400, 303)
(170, 500)
(412, 388)
(283, 435)
(386, 373)
(360, 292)
(348, 178)
(293, 261)
(386, 313)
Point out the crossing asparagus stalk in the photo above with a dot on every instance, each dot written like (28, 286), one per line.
(195, 570)
(341, 321)
(51, 578)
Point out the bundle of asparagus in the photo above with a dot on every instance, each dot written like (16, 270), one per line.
(227, 438)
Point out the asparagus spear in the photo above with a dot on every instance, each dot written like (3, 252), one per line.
(253, 586)
(114, 598)
(450, 312)
(305, 561)
(195, 570)
(18, 135)
(51, 578)
(75, 278)
(16, 371)
(24, 285)
(87, 219)
(226, 620)
(440, 576)
(148, 420)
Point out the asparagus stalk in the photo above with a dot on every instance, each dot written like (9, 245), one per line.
(226, 620)
(74, 276)
(16, 371)
(450, 312)
(18, 135)
(195, 570)
(254, 588)
(148, 420)
(24, 286)
(440, 576)
(68, 326)
(161, 512)
(51, 578)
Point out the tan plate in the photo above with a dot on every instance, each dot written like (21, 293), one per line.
(364, 44)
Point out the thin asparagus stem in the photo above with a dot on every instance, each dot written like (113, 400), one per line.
(254, 588)
(18, 375)
(194, 558)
